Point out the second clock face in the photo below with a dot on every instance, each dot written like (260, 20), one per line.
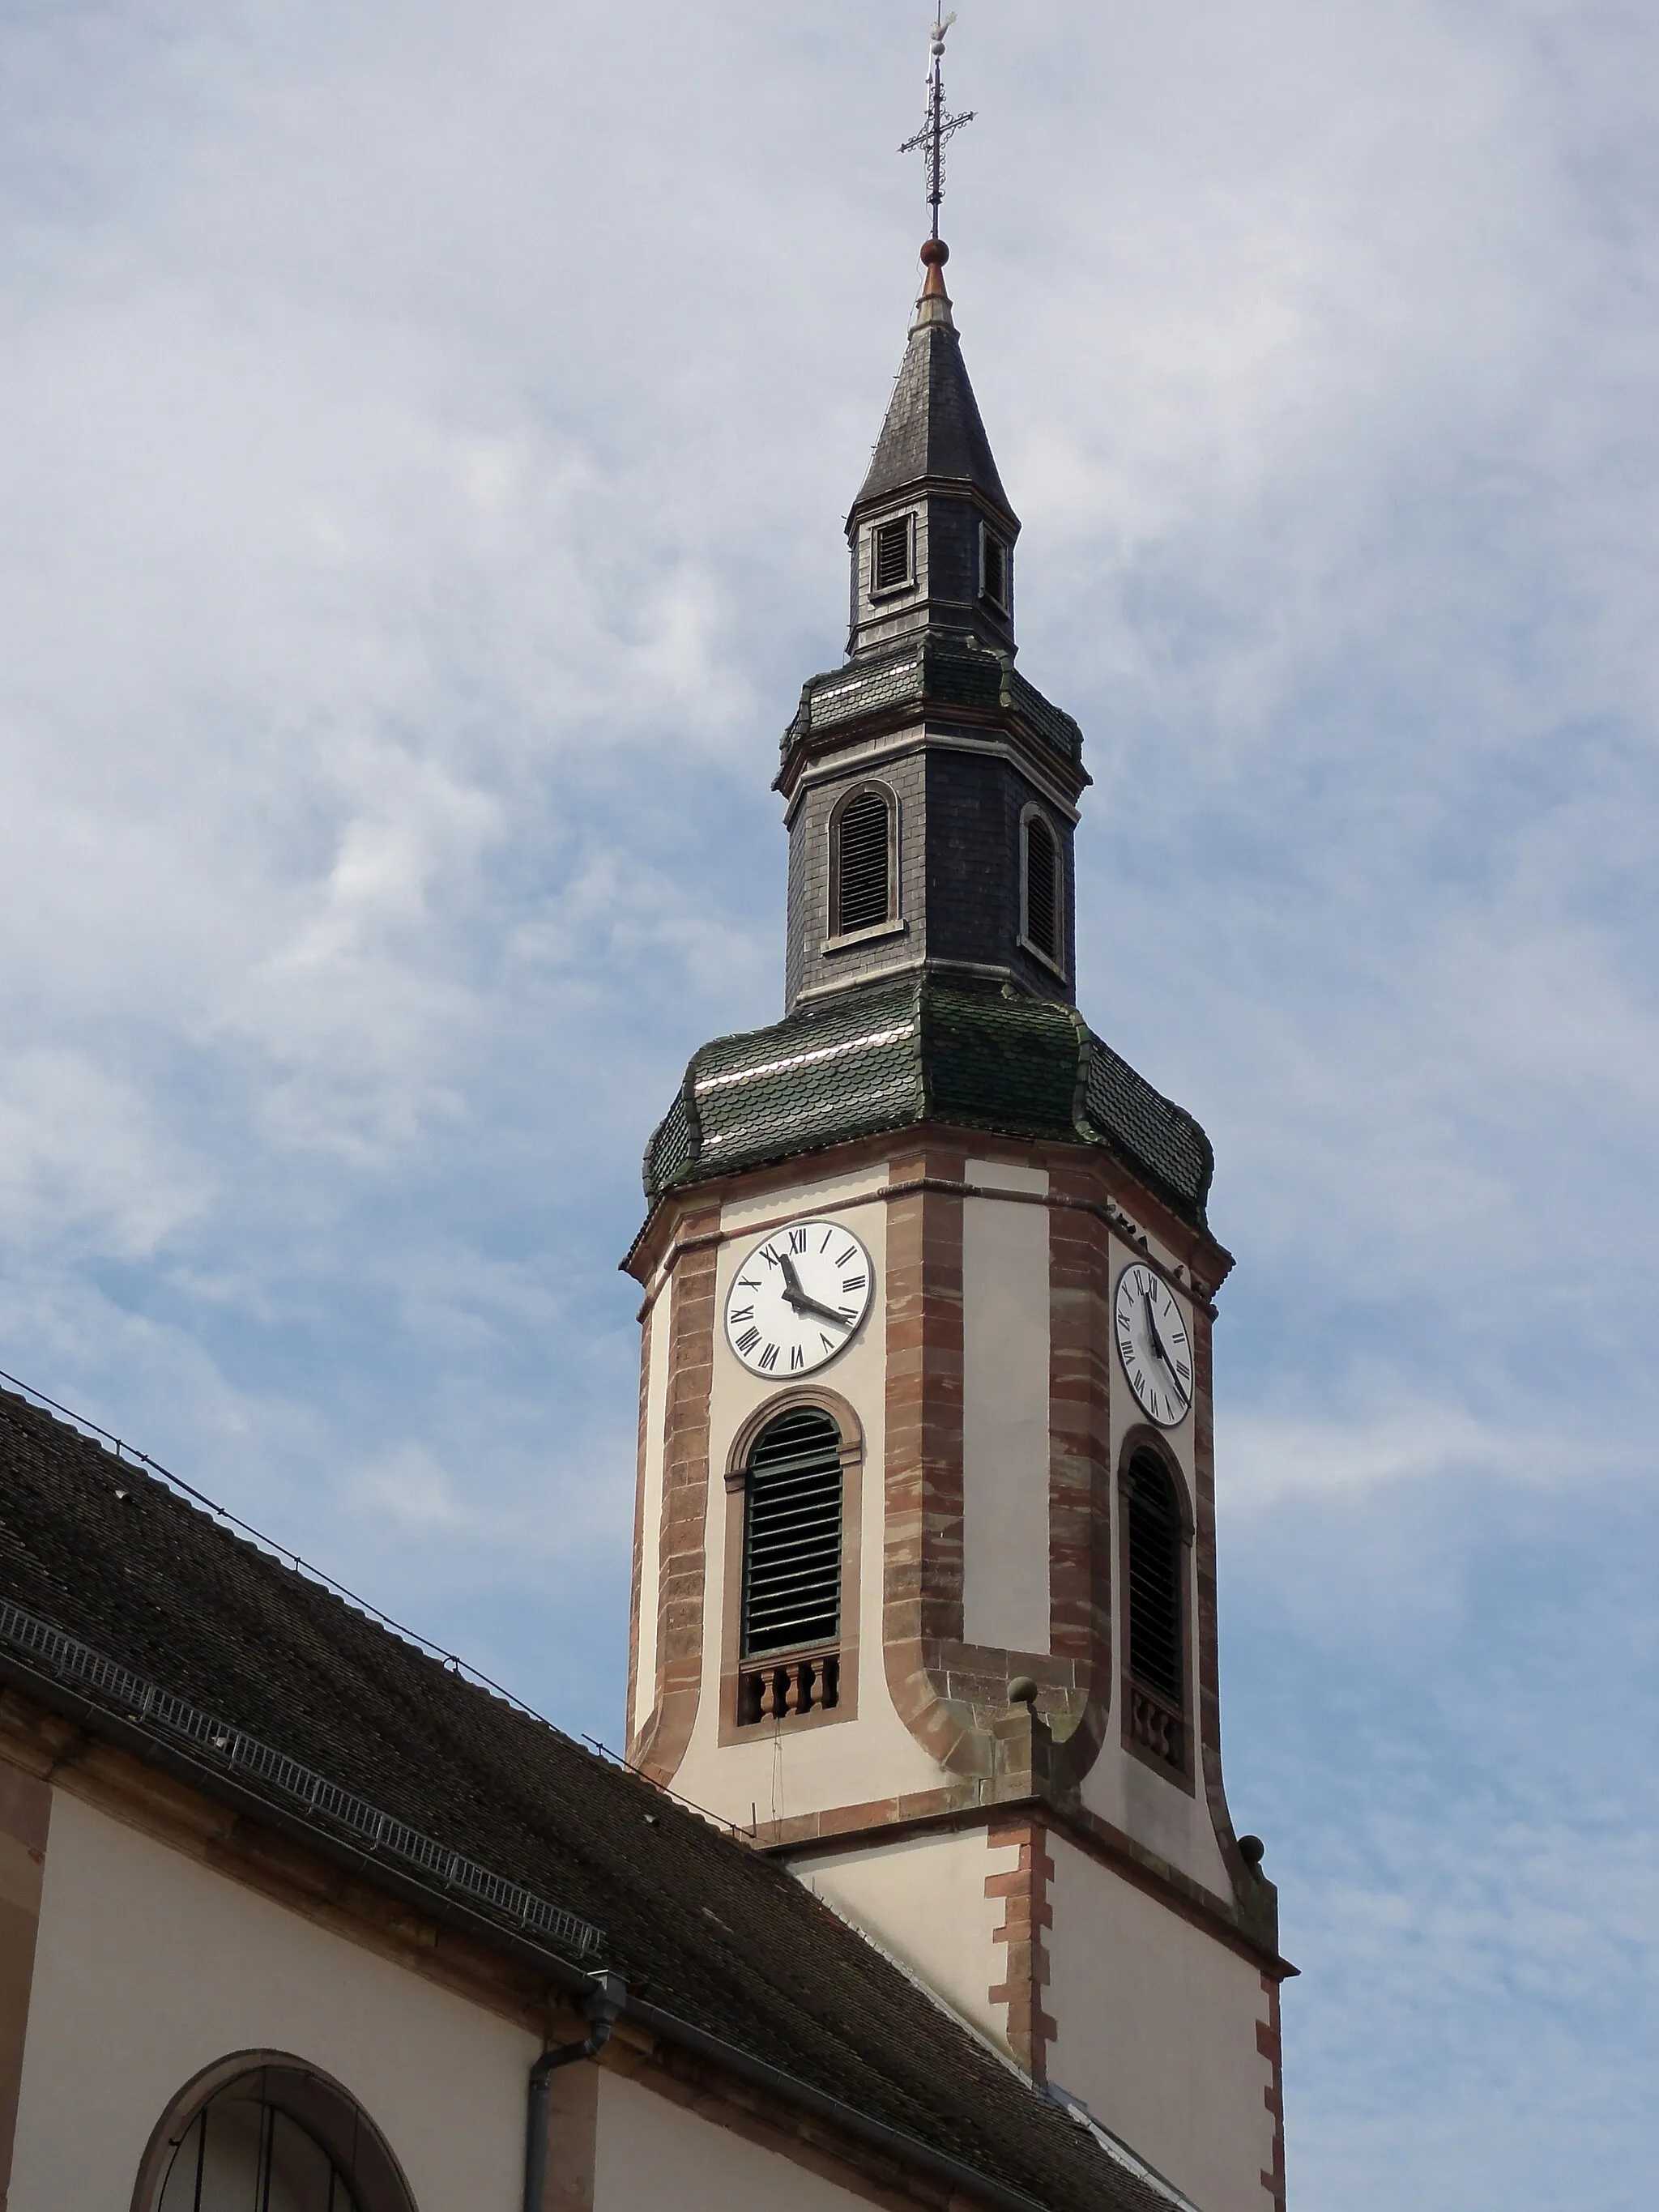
(1153, 1345)
(799, 1298)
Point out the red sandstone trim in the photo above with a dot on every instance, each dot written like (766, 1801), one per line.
(807, 1835)
(1111, 1192)
(632, 1707)
(1079, 1496)
(921, 1584)
(1026, 1914)
(25, 1817)
(1204, 1564)
(682, 1574)
(1268, 2043)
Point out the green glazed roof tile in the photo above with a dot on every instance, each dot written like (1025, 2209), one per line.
(882, 1059)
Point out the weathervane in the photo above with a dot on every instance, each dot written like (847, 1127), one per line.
(931, 138)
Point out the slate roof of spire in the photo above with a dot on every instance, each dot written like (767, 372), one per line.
(886, 1057)
(713, 1933)
(932, 428)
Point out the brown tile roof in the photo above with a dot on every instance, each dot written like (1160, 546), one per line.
(704, 1929)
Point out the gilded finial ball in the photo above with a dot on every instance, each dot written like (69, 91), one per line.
(935, 253)
(1022, 1691)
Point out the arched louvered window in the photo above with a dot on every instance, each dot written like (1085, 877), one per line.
(1042, 893)
(1155, 1573)
(861, 866)
(792, 1535)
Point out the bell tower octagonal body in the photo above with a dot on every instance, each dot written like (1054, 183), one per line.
(930, 792)
(925, 1567)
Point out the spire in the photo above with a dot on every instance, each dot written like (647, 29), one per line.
(931, 533)
(933, 433)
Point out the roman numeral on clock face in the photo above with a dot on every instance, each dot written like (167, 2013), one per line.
(799, 1298)
(1153, 1345)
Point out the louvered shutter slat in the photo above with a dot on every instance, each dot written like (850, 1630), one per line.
(791, 1536)
(862, 889)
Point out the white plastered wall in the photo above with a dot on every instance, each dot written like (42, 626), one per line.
(1004, 1414)
(650, 2152)
(1157, 2034)
(150, 1966)
(780, 1775)
(1170, 1820)
(922, 1898)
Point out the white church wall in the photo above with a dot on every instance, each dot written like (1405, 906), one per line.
(150, 1966)
(1005, 1420)
(875, 1756)
(922, 1898)
(1157, 2034)
(755, 1210)
(650, 2151)
(1171, 1822)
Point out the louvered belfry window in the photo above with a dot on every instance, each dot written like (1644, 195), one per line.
(1155, 1572)
(863, 862)
(993, 561)
(889, 564)
(792, 1535)
(1043, 888)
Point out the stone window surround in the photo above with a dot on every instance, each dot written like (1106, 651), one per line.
(1144, 1437)
(1031, 811)
(733, 1665)
(315, 2101)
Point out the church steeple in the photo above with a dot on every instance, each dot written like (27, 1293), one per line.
(932, 531)
(925, 1569)
(930, 791)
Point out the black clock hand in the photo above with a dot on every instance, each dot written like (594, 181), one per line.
(795, 1296)
(1158, 1345)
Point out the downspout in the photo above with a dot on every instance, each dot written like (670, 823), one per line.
(604, 2001)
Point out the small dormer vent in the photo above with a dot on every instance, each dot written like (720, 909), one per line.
(890, 561)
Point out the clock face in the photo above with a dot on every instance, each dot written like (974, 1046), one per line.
(799, 1298)
(1153, 1345)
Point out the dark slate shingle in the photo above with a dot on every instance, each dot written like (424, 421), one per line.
(932, 428)
(703, 1927)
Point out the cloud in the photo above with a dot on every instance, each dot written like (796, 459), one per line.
(425, 442)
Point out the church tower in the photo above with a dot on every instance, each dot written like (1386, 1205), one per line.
(924, 1583)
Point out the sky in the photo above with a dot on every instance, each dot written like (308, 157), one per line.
(424, 439)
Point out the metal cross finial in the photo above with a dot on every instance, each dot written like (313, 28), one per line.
(931, 138)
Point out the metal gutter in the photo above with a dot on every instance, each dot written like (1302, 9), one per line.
(561, 1972)
(848, 2118)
